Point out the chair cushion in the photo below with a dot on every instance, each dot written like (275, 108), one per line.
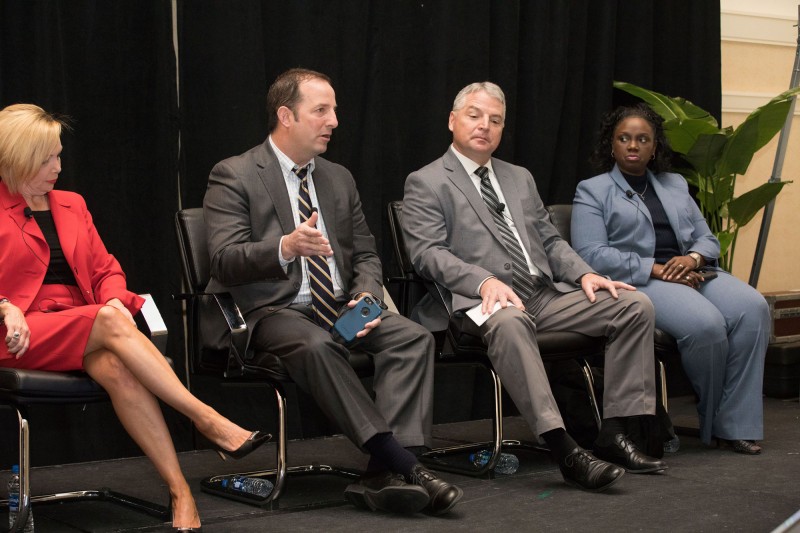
(32, 386)
(268, 365)
(665, 342)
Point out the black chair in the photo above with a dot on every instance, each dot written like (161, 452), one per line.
(21, 388)
(666, 348)
(233, 365)
(461, 348)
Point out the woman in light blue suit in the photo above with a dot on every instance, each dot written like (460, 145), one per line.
(637, 223)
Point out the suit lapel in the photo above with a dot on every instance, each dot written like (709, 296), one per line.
(459, 178)
(271, 175)
(513, 199)
(327, 196)
(623, 188)
(66, 222)
(670, 207)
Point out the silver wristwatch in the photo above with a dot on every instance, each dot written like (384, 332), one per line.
(697, 258)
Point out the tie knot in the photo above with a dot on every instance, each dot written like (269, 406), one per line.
(301, 172)
(482, 172)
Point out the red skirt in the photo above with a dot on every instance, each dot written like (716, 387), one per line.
(60, 321)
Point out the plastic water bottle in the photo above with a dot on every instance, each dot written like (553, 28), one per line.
(13, 502)
(672, 445)
(506, 464)
(248, 485)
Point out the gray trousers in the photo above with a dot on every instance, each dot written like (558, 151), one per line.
(402, 352)
(629, 373)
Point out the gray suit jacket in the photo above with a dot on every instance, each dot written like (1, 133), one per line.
(453, 240)
(247, 210)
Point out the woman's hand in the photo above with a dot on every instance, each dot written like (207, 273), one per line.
(678, 267)
(115, 302)
(689, 277)
(18, 336)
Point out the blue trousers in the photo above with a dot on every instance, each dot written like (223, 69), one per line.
(722, 330)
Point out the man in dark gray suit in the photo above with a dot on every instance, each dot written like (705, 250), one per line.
(477, 227)
(287, 237)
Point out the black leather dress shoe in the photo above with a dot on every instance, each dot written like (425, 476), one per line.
(583, 470)
(622, 451)
(443, 495)
(386, 491)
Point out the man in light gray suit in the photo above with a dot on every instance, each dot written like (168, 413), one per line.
(477, 227)
(287, 237)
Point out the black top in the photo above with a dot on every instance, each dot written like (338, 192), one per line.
(58, 272)
(666, 243)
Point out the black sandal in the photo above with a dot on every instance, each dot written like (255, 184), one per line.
(747, 447)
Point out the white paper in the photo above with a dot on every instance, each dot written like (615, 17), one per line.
(478, 317)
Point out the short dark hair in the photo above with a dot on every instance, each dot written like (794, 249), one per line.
(601, 158)
(285, 91)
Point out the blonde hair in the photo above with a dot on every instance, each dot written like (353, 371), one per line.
(28, 135)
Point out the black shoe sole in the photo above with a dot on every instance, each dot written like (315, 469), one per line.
(646, 470)
(598, 489)
(408, 499)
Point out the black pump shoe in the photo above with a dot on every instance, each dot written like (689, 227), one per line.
(256, 439)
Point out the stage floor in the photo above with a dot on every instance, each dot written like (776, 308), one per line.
(705, 489)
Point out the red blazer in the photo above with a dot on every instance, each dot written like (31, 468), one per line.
(99, 275)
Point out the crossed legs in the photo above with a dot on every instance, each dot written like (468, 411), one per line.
(135, 374)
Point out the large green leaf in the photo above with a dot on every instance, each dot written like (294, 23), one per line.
(667, 106)
(744, 208)
(726, 240)
(705, 152)
(756, 131)
(683, 134)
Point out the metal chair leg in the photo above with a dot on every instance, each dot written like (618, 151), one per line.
(213, 484)
(25, 499)
(435, 458)
(588, 379)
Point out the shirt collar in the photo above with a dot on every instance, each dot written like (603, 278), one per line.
(287, 165)
(469, 165)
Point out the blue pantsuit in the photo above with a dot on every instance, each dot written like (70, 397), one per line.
(722, 327)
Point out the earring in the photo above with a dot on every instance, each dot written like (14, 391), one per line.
(653, 156)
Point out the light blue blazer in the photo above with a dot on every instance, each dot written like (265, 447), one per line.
(613, 231)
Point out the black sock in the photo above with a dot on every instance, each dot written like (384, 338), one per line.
(559, 442)
(611, 427)
(386, 452)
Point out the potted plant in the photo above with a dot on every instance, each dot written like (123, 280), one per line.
(712, 158)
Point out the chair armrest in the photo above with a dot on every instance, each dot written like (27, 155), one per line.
(155, 323)
(238, 331)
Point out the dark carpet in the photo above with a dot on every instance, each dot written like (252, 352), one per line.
(705, 489)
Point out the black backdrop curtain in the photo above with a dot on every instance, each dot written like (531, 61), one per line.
(396, 66)
(110, 67)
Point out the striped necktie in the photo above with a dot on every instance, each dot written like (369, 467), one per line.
(319, 275)
(522, 281)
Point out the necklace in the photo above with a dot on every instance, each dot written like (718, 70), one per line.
(641, 194)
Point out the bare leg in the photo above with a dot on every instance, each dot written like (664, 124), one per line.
(140, 414)
(134, 373)
(113, 332)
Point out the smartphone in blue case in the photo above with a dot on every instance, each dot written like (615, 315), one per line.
(353, 320)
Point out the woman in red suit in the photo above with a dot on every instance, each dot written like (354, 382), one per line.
(64, 305)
